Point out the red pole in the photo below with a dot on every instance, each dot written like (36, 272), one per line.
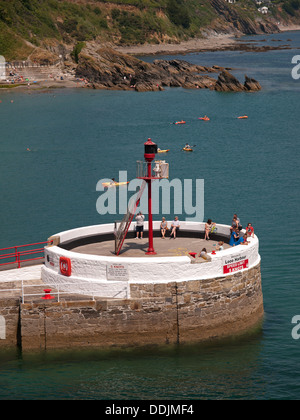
(150, 221)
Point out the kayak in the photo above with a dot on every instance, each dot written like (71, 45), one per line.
(204, 118)
(163, 151)
(242, 117)
(113, 184)
(187, 149)
(180, 122)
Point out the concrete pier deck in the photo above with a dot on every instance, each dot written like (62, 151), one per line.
(163, 247)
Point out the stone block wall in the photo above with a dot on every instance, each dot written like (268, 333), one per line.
(211, 308)
(10, 322)
(160, 313)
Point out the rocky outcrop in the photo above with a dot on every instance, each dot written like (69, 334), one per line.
(109, 69)
(251, 84)
(228, 83)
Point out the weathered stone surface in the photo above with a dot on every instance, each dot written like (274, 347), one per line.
(242, 24)
(161, 313)
(228, 83)
(251, 84)
(109, 69)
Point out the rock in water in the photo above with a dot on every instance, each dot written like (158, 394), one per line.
(251, 84)
(228, 83)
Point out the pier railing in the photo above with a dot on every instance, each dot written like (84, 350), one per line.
(22, 253)
(43, 292)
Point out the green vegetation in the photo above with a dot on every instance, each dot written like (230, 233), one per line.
(26, 24)
(291, 6)
(178, 13)
(77, 50)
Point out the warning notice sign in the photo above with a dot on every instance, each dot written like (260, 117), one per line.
(236, 263)
(117, 272)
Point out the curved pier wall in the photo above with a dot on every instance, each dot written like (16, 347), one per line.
(156, 314)
(165, 300)
(89, 273)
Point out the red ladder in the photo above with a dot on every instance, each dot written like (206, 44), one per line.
(126, 222)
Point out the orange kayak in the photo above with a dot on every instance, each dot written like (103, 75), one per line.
(204, 118)
(180, 122)
(163, 151)
(242, 117)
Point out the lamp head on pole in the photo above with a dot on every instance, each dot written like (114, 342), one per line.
(150, 150)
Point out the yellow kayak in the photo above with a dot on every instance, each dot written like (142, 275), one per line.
(186, 149)
(163, 151)
(113, 184)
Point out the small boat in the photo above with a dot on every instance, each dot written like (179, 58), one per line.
(243, 117)
(113, 184)
(187, 149)
(204, 118)
(163, 151)
(180, 122)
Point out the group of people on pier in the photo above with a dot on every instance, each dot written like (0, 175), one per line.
(175, 225)
(210, 227)
(235, 229)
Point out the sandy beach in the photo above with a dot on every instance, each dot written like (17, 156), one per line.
(288, 28)
(211, 43)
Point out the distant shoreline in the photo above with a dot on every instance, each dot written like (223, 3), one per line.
(224, 42)
(213, 42)
(221, 42)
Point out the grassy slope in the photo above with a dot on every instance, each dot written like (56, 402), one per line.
(25, 24)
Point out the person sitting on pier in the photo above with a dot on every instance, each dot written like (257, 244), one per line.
(163, 227)
(236, 223)
(208, 228)
(220, 246)
(175, 227)
(203, 254)
(235, 238)
(245, 240)
(250, 230)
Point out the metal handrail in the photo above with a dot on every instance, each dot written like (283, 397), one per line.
(17, 254)
(44, 286)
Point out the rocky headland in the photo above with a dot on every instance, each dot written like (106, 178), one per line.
(106, 68)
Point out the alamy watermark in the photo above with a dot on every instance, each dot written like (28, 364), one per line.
(186, 195)
(296, 69)
(2, 328)
(2, 68)
(296, 329)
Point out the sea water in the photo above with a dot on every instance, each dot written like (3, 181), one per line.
(250, 167)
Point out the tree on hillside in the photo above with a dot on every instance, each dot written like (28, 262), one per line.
(178, 13)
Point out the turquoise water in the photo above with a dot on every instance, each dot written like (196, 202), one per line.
(77, 137)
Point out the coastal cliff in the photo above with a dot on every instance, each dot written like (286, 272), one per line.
(244, 23)
(30, 27)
